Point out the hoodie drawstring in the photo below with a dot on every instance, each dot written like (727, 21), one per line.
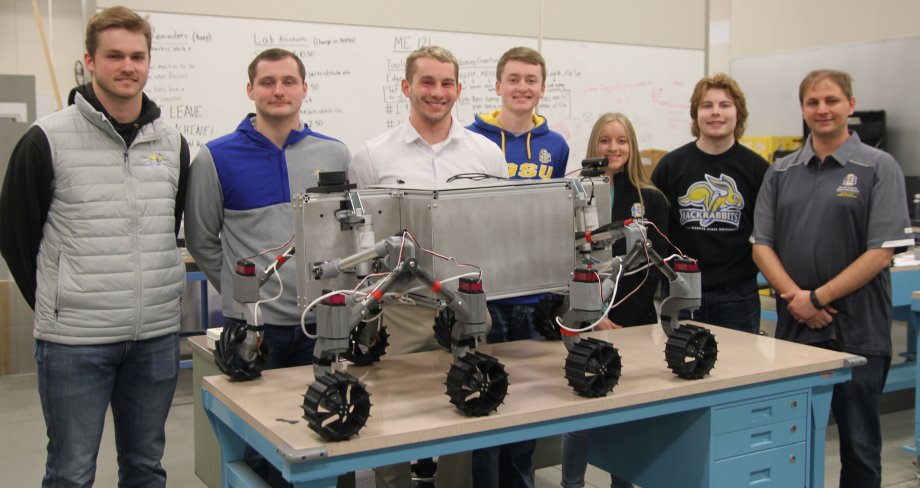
(529, 158)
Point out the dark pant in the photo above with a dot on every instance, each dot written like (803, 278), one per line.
(510, 465)
(507, 466)
(857, 412)
(288, 346)
(511, 323)
(735, 307)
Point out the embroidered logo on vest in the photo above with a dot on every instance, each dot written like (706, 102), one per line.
(155, 159)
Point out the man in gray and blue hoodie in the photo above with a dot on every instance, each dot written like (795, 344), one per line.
(239, 204)
(239, 197)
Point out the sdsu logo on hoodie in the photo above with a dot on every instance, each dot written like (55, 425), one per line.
(536, 154)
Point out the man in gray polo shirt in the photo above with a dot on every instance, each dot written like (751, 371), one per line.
(826, 224)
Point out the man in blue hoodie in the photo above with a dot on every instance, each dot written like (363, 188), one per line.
(239, 197)
(239, 200)
(532, 151)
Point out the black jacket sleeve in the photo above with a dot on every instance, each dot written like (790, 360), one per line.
(184, 161)
(639, 308)
(24, 203)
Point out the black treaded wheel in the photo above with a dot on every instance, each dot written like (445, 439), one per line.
(593, 367)
(336, 406)
(477, 384)
(691, 351)
(544, 316)
(365, 355)
(227, 355)
(443, 325)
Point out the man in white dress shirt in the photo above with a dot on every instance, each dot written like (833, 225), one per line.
(432, 146)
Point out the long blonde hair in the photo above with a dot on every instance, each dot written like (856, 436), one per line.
(638, 175)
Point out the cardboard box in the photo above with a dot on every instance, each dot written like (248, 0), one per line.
(650, 158)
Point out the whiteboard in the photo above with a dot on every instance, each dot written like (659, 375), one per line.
(198, 77)
(650, 85)
(884, 74)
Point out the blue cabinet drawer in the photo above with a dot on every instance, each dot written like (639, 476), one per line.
(758, 438)
(782, 467)
(759, 413)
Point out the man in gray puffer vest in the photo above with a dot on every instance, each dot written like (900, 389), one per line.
(89, 211)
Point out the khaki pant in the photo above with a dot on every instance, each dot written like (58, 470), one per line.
(411, 330)
(454, 471)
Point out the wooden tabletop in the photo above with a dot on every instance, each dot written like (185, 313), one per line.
(410, 404)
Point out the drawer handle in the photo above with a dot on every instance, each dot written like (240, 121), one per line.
(795, 403)
(793, 429)
(760, 438)
(792, 459)
(761, 414)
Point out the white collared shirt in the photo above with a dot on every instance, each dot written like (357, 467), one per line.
(401, 155)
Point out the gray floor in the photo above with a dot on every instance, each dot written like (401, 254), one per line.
(22, 450)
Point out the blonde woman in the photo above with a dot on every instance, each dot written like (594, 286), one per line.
(613, 137)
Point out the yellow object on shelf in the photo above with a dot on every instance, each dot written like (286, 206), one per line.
(767, 146)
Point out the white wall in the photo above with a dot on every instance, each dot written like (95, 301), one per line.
(774, 44)
(735, 28)
(666, 23)
(22, 50)
(787, 25)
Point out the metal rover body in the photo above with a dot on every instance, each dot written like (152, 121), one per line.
(520, 233)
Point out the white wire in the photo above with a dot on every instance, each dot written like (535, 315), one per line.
(613, 295)
(640, 268)
(255, 314)
(375, 317)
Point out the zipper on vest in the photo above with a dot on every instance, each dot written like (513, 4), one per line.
(135, 223)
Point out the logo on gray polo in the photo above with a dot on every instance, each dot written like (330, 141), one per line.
(712, 200)
(848, 188)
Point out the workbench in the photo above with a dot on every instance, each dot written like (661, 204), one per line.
(758, 419)
(914, 367)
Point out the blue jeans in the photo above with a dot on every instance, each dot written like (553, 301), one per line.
(76, 385)
(506, 466)
(509, 465)
(856, 409)
(735, 307)
(288, 346)
(575, 462)
(511, 323)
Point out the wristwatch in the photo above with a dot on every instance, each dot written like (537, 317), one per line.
(814, 300)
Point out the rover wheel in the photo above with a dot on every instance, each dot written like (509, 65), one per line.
(691, 351)
(443, 325)
(336, 406)
(228, 353)
(367, 354)
(477, 384)
(593, 367)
